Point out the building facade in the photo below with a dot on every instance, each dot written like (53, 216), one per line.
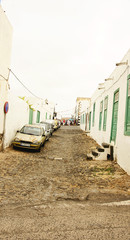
(15, 111)
(5, 58)
(109, 113)
(81, 106)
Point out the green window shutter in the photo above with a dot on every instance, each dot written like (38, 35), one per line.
(50, 117)
(30, 116)
(89, 120)
(38, 117)
(127, 115)
(94, 113)
(105, 120)
(105, 113)
(114, 116)
(100, 115)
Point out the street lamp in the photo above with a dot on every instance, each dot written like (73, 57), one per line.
(108, 79)
(122, 63)
(101, 86)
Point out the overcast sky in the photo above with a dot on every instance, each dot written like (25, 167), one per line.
(62, 49)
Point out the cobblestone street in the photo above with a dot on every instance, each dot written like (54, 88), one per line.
(59, 194)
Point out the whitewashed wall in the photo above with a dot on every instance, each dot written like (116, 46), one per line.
(17, 116)
(5, 56)
(122, 144)
(84, 111)
(5, 43)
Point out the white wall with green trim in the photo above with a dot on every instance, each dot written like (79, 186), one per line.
(104, 133)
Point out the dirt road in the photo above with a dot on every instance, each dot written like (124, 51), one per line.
(58, 194)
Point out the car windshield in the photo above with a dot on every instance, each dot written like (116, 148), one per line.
(31, 130)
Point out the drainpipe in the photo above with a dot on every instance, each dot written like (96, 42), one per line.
(4, 124)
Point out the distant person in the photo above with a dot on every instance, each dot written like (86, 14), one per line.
(68, 122)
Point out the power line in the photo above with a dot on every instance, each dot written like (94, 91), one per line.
(33, 93)
(24, 85)
(27, 88)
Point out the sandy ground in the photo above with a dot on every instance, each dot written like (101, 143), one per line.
(59, 194)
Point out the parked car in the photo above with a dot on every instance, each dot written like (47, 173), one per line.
(30, 137)
(46, 129)
(56, 125)
(59, 123)
(54, 122)
(50, 126)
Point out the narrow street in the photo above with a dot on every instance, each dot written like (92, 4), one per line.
(59, 194)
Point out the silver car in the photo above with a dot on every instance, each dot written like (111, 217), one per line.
(46, 129)
(50, 126)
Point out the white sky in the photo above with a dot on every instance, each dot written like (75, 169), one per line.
(62, 49)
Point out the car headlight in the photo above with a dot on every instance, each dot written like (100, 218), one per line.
(17, 139)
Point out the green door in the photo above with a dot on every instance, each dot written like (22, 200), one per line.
(38, 117)
(89, 120)
(30, 116)
(115, 116)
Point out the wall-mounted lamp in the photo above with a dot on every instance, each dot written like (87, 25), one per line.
(101, 88)
(108, 79)
(122, 63)
(101, 84)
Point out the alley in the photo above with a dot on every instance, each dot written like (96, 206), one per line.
(59, 194)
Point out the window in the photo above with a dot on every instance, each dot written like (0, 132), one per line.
(100, 115)
(30, 115)
(114, 116)
(127, 114)
(46, 115)
(89, 120)
(94, 113)
(105, 113)
(38, 117)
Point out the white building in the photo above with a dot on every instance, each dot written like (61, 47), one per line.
(81, 107)
(20, 111)
(5, 57)
(109, 113)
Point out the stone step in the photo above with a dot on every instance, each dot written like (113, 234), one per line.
(95, 153)
(100, 149)
(105, 145)
(89, 156)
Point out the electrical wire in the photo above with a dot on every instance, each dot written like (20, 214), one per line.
(24, 85)
(34, 94)
(27, 88)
